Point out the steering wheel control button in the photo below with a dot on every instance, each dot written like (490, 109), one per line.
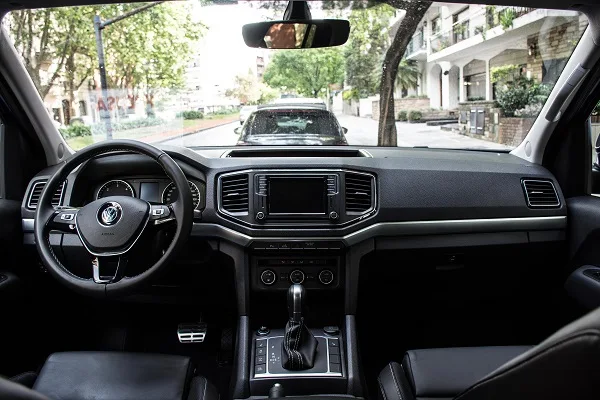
(326, 277)
(158, 212)
(67, 217)
(297, 276)
(110, 213)
(268, 277)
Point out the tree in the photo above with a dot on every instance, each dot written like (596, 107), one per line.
(408, 74)
(249, 90)
(415, 10)
(146, 51)
(307, 72)
(365, 48)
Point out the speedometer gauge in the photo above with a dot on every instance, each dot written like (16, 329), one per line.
(115, 187)
(170, 194)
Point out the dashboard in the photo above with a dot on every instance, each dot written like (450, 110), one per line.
(396, 197)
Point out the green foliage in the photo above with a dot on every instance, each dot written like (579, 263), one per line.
(481, 29)
(192, 114)
(414, 115)
(369, 30)
(519, 94)
(99, 129)
(507, 17)
(75, 130)
(504, 73)
(596, 110)
(146, 51)
(475, 98)
(402, 115)
(250, 90)
(351, 94)
(307, 72)
(408, 74)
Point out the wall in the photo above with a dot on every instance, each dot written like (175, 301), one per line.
(512, 131)
(402, 104)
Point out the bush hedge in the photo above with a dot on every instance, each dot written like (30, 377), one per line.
(415, 115)
(402, 115)
(75, 130)
(192, 114)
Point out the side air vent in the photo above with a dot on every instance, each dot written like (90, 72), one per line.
(359, 193)
(540, 194)
(36, 192)
(234, 193)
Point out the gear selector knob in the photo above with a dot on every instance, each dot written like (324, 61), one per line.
(295, 298)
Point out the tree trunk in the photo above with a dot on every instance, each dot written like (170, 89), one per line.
(386, 134)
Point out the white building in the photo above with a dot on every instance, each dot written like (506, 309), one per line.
(457, 47)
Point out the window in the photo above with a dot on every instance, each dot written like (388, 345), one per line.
(82, 108)
(475, 87)
(436, 25)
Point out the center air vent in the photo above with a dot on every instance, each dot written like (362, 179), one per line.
(359, 193)
(36, 192)
(234, 193)
(540, 194)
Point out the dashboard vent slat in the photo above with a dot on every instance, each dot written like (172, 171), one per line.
(359, 193)
(234, 193)
(33, 198)
(540, 194)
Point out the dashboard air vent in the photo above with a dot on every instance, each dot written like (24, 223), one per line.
(359, 193)
(540, 193)
(234, 193)
(36, 192)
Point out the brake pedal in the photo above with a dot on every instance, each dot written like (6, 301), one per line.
(194, 332)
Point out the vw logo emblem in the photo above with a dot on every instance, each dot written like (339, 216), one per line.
(110, 213)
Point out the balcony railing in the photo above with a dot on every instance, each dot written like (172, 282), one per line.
(462, 29)
(416, 43)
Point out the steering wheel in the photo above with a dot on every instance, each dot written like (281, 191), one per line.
(109, 227)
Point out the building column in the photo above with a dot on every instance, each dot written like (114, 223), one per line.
(445, 84)
(488, 81)
(461, 84)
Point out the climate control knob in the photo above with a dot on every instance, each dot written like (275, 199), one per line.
(268, 277)
(326, 277)
(296, 276)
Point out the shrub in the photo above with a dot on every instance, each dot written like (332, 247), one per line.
(192, 114)
(475, 98)
(530, 110)
(75, 130)
(415, 115)
(519, 94)
(100, 128)
(402, 115)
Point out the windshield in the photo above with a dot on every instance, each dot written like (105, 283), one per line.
(440, 75)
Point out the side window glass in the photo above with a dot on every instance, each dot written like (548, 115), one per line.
(595, 148)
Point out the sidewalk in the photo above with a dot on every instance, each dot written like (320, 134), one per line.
(363, 132)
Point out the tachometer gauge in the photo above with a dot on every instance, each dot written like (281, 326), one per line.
(115, 187)
(170, 194)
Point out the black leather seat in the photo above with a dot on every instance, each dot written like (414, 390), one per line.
(114, 375)
(564, 366)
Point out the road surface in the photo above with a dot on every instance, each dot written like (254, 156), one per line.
(361, 132)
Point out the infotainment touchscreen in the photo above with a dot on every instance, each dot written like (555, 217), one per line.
(297, 195)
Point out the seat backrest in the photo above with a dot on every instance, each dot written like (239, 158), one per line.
(15, 391)
(564, 366)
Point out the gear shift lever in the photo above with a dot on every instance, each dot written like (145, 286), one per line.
(299, 346)
(295, 296)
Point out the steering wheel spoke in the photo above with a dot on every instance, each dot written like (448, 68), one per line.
(161, 214)
(63, 219)
(108, 269)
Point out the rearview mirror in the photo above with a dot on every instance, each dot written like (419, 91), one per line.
(345, 130)
(238, 130)
(296, 34)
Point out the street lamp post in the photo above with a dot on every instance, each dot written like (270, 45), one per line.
(98, 27)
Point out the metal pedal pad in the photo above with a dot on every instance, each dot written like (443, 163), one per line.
(194, 332)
